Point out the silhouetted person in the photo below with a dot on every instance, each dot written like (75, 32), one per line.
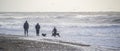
(37, 27)
(26, 27)
(54, 32)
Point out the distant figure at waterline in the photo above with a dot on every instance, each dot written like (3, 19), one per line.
(37, 27)
(54, 32)
(26, 27)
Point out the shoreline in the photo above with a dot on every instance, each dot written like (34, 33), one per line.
(13, 43)
(19, 43)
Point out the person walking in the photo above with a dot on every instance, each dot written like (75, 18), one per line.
(37, 27)
(26, 27)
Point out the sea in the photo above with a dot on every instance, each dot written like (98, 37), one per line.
(100, 29)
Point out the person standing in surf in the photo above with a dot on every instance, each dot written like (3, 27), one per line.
(37, 27)
(26, 27)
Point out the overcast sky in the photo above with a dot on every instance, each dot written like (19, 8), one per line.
(59, 5)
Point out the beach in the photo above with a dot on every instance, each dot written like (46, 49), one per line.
(19, 43)
(13, 43)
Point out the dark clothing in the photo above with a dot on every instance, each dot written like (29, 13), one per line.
(37, 32)
(26, 27)
(26, 32)
(37, 27)
(54, 32)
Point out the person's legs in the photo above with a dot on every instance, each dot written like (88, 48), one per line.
(27, 32)
(37, 32)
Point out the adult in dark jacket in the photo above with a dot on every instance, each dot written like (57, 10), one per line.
(37, 27)
(26, 27)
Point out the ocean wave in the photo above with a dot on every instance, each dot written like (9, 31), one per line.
(62, 19)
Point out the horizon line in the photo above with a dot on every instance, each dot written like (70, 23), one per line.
(60, 11)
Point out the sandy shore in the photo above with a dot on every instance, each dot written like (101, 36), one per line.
(13, 43)
(18, 43)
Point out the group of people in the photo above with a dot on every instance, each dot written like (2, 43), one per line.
(37, 27)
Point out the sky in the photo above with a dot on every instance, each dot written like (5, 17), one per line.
(59, 5)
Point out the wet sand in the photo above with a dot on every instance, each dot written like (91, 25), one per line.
(18, 43)
(13, 43)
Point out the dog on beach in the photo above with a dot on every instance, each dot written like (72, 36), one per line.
(43, 34)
